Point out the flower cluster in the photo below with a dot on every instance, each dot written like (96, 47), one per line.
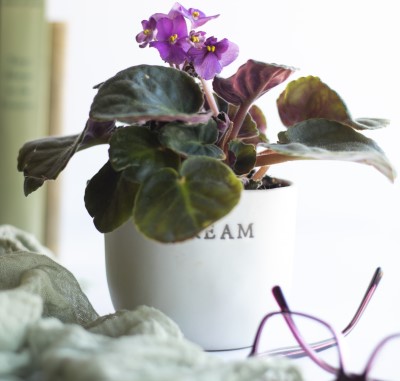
(183, 48)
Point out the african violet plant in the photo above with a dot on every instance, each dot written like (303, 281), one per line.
(180, 153)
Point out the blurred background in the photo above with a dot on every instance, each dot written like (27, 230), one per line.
(348, 214)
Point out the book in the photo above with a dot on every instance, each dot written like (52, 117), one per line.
(56, 112)
(24, 106)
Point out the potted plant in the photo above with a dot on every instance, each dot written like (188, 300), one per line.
(181, 157)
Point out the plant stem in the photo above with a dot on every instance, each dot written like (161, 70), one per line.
(271, 157)
(239, 119)
(260, 173)
(210, 98)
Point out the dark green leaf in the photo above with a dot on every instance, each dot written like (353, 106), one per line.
(145, 92)
(244, 156)
(193, 139)
(309, 98)
(138, 151)
(329, 140)
(44, 159)
(109, 198)
(172, 206)
(252, 80)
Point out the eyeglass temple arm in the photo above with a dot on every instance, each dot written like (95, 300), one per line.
(365, 300)
(376, 278)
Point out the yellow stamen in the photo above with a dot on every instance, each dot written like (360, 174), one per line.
(195, 14)
(195, 39)
(147, 32)
(173, 38)
(211, 48)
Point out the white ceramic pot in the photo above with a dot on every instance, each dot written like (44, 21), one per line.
(216, 287)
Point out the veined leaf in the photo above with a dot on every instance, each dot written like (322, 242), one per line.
(310, 98)
(147, 92)
(109, 198)
(193, 139)
(244, 156)
(322, 139)
(138, 151)
(252, 80)
(172, 206)
(44, 159)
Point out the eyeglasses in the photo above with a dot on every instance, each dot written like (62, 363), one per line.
(298, 335)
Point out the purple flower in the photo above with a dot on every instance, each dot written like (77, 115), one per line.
(213, 56)
(172, 39)
(196, 16)
(148, 33)
(197, 39)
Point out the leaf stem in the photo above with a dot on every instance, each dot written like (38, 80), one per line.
(260, 172)
(271, 157)
(210, 98)
(239, 119)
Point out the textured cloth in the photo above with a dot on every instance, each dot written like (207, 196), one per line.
(49, 331)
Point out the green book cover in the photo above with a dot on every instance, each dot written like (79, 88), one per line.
(24, 93)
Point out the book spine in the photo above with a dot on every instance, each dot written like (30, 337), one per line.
(56, 113)
(24, 99)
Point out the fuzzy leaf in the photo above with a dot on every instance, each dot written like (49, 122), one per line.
(138, 151)
(192, 140)
(252, 80)
(172, 206)
(109, 198)
(309, 98)
(44, 159)
(261, 124)
(259, 118)
(244, 156)
(145, 92)
(323, 139)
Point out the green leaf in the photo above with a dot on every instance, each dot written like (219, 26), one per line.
(172, 206)
(192, 140)
(244, 156)
(310, 98)
(138, 151)
(149, 92)
(323, 139)
(109, 198)
(261, 123)
(44, 159)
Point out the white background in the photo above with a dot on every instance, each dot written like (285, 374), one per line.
(348, 214)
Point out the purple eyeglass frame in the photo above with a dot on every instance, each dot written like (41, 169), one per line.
(311, 349)
(298, 352)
